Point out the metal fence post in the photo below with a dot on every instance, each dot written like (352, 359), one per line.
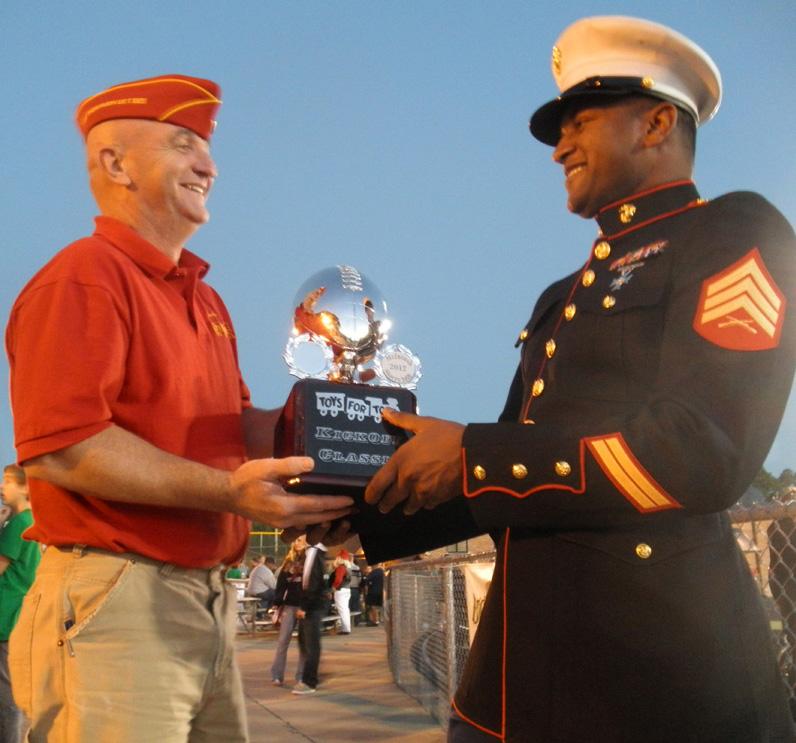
(450, 628)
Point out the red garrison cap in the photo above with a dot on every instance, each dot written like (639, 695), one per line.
(175, 99)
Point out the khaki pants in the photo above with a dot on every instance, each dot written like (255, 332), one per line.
(122, 649)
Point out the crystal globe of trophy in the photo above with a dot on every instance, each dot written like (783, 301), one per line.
(347, 377)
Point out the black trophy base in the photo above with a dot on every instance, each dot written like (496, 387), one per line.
(341, 427)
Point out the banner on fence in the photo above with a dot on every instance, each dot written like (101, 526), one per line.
(477, 577)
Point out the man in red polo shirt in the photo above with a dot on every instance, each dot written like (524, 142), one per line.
(141, 444)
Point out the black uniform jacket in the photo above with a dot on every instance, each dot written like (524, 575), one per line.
(650, 387)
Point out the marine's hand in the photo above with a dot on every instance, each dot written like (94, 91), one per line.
(257, 494)
(425, 471)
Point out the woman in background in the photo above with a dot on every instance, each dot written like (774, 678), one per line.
(286, 600)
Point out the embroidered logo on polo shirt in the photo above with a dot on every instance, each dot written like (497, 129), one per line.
(633, 260)
(741, 308)
(219, 326)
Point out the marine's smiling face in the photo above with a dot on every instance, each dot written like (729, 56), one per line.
(601, 153)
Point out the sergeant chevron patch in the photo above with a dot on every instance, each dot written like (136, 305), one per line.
(616, 460)
(741, 308)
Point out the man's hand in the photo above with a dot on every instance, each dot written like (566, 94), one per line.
(258, 495)
(425, 471)
(330, 534)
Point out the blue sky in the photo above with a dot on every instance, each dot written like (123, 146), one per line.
(390, 136)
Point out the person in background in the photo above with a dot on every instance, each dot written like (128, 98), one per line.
(314, 600)
(341, 581)
(234, 572)
(262, 582)
(19, 559)
(374, 594)
(355, 604)
(145, 457)
(287, 600)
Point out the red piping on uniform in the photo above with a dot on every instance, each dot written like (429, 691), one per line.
(654, 189)
(473, 723)
(652, 220)
(585, 442)
(555, 331)
(616, 235)
(549, 486)
(502, 734)
(505, 626)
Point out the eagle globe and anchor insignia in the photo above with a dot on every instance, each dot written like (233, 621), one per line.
(347, 377)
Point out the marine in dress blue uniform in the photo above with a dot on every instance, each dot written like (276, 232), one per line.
(650, 387)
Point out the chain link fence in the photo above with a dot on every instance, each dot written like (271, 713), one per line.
(427, 621)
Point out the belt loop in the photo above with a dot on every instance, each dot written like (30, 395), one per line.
(78, 550)
(166, 569)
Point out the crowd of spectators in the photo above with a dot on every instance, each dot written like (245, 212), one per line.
(308, 592)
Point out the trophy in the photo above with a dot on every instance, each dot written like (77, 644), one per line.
(347, 377)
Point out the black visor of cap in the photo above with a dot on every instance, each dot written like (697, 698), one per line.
(545, 124)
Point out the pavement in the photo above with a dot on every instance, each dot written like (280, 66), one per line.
(356, 698)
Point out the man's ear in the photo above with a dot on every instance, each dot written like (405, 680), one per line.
(111, 162)
(660, 122)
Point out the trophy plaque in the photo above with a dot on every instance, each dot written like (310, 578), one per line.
(347, 377)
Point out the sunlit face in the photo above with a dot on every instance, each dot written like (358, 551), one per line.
(600, 150)
(13, 492)
(172, 173)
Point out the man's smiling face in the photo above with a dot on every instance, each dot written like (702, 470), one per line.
(601, 154)
(172, 172)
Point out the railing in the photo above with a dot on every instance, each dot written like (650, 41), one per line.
(427, 623)
(267, 542)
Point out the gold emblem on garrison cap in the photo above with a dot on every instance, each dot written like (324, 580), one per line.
(626, 213)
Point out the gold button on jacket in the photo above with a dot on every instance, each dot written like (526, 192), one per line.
(643, 550)
(518, 471)
(563, 468)
(602, 250)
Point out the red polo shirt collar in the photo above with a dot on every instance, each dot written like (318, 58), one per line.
(144, 253)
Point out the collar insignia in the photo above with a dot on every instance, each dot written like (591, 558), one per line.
(626, 213)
